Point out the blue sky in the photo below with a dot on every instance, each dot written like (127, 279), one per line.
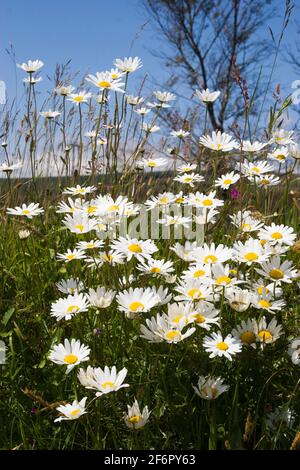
(91, 33)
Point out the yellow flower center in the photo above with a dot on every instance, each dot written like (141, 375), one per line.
(210, 259)
(173, 335)
(107, 257)
(72, 309)
(248, 337)
(78, 99)
(177, 319)
(265, 335)
(134, 419)
(155, 270)
(229, 181)
(280, 157)
(276, 273)
(91, 209)
(113, 208)
(195, 293)
(114, 76)
(179, 200)
(70, 256)
(152, 164)
(264, 303)
(199, 273)
(75, 412)
(70, 359)
(223, 280)
(107, 384)
(135, 248)
(256, 169)
(276, 235)
(90, 245)
(207, 202)
(262, 290)
(164, 200)
(199, 318)
(104, 84)
(136, 306)
(246, 227)
(188, 179)
(222, 346)
(264, 182)
(79, 227)
(25, 212)
(251, 256)
(263, 242)
(219, 146)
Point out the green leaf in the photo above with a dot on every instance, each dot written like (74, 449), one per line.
(7, 316)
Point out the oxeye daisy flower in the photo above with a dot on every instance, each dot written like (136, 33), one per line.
(74, 205)
(225, 181)
(150, 128)
(80, 97)
(70, 286)
(32, 80)
(222, 276)
(193, 291)
(278, 271)
(70, 306)
(50, 114)
(218, 141)
(103, 381)
(31, 66)
(175, 221)
(80, 223)
(274, 234)
(180, 134)
(189, 178)
(218, 347)
(250, 252)
(294, 350)
(252, 147)
(153, 163)
(246, 332)
(282, 137)
(265, 180)
(245, 222)
(187, 168)
(64, 90)
(128, 64)
(238, 299)
(210, 388)
(135, 418)
(156, 267)
(134, 100)
(142, 111)
(206, 201)
(161, 329)
(211, 254)
(71, 255)
(162, 200)
(207, 96)
(105, 81)
(268, 332)
(280, 155)
(164, 96)
(205, 216)
(205, 315)
(256, 169)
(70, 354)
(280, 417)
(79, 190)
(100, 297)
(185, 252)
(9, 168)
(180, 312)
(198, 271)
(134, 248)
(112, 258)
(90, 245)
(71, 411)
(261, 287)
(266, 302)
(29, 211)
(135, 301)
